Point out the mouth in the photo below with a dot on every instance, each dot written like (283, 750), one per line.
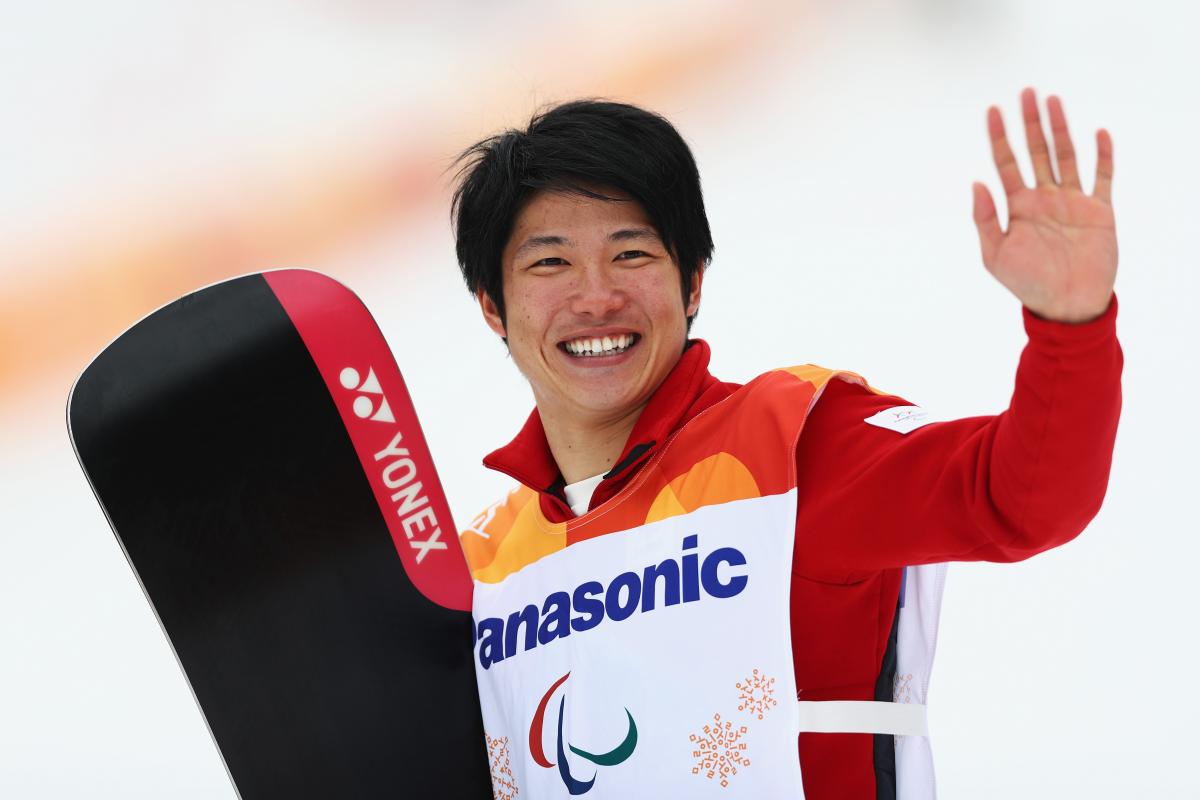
(599, 346)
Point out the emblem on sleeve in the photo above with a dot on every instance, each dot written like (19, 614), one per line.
(902, 419)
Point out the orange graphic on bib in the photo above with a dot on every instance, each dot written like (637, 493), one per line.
(727, 453)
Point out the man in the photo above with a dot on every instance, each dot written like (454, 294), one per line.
(629, 630)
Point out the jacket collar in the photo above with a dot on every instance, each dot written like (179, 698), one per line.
(687, 390)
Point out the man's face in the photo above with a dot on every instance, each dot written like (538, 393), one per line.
(595, 319)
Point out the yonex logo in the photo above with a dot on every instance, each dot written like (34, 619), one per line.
(617, 755)
(399, 474)
(397, 468)
(364, 404)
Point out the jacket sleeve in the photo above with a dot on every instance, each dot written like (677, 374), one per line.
(992, 488)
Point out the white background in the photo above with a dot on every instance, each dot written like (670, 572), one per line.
(837, 160)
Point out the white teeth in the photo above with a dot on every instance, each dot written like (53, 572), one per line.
(607, 345)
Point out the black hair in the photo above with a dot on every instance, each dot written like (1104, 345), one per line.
(581, 147)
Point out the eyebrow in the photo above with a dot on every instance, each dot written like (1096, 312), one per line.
(623, 235)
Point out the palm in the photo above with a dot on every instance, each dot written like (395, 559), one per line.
(1059, 254)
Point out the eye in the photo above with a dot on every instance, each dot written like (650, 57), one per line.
(550, 261)
(633, 254)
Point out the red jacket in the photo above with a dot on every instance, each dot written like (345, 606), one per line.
(989, 488)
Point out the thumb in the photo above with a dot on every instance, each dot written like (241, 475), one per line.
(984, 212)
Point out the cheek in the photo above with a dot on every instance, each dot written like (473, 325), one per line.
(529, 312)
(662, 298)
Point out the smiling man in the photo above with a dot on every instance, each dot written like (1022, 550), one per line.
(594, 320)
(682, 557)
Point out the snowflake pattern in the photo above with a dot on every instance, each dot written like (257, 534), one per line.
(719, 750)
(504, 785)
(757, 694)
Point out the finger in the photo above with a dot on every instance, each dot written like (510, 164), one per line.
(1104, 166)
(1064, 150)
(1002, 154)
(986, 222)
(1038, 152)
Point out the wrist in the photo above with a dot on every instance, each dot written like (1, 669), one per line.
(1057, 334)
(1072, 317)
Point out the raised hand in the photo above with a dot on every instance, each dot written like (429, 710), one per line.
(1059, 254)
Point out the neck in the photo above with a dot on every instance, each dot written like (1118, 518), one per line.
(586, 447)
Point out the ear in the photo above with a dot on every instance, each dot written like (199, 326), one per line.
(693, 298)
(491, 314)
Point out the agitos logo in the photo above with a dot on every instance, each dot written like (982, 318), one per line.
(610, 759)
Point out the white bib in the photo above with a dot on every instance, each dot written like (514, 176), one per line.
(677, 638)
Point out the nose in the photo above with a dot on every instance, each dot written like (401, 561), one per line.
(597, 293)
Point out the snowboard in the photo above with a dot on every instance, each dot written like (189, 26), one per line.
(258, 457)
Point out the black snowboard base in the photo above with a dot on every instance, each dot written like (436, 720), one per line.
(234, 458)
